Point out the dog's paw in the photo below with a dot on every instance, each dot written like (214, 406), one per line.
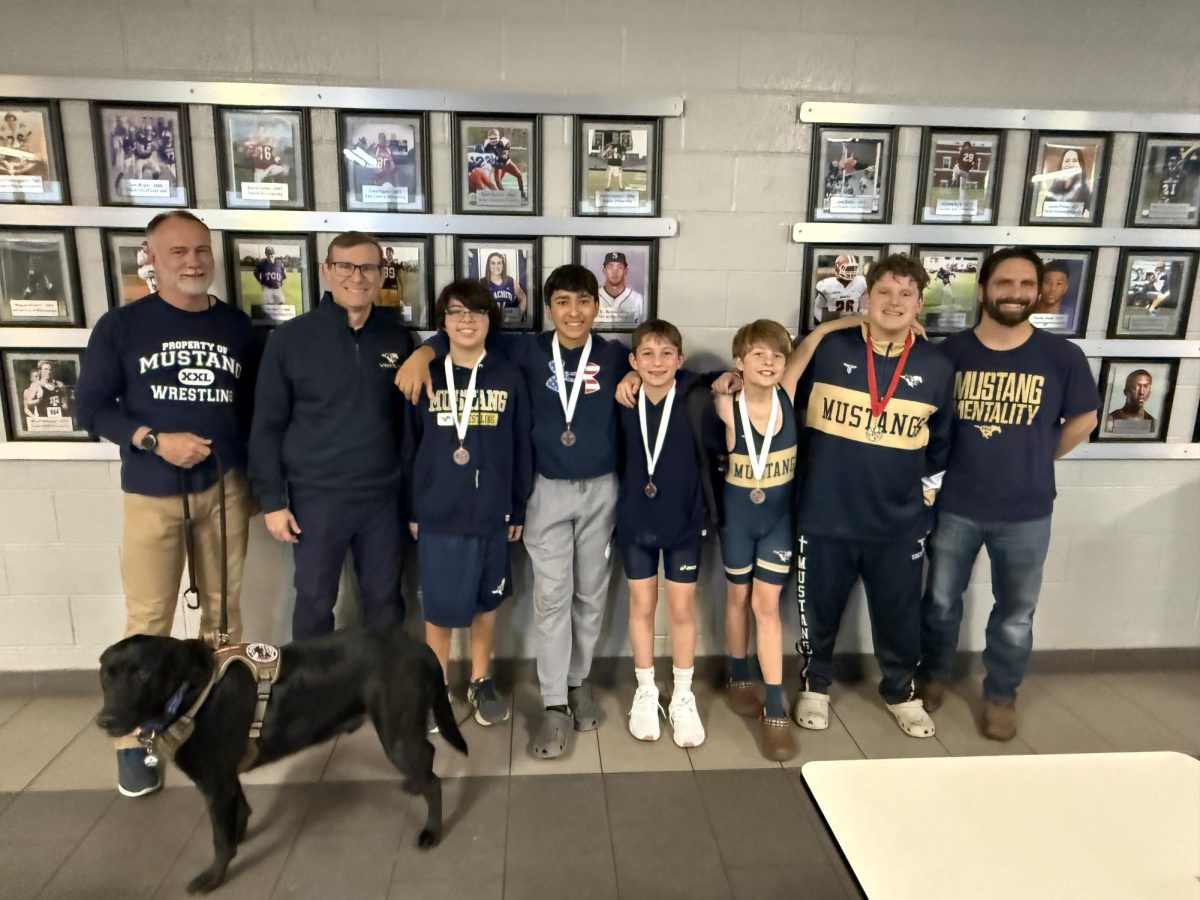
(205, 882)
(428, 838)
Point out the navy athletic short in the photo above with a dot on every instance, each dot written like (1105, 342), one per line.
(462, 576)
(681, 563)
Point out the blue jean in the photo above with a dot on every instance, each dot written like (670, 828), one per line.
(1017, 551)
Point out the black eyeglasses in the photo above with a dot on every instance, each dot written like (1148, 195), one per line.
(346, 269)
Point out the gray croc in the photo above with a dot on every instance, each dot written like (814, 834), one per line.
(551, 739)
(583, 707)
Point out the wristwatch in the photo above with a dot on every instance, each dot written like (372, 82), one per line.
(149, 441)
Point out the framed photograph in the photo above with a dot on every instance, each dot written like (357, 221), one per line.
(950, 304)
(39, 394)
(384, 166)
(1135, 399)
(263, 158)
(32, 169)
(1166, 186)
(497, 165)
(853, 174)
(272, 275)
(1065, 178)
(836, 282)
(509, 268)
(627, 272)
(617, 167)
(1153, 294)
(1066, 290)
(39, 278)
(143, 155)
(960, 176)
(407, 290)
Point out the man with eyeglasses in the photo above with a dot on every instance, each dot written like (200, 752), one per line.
(325, 441)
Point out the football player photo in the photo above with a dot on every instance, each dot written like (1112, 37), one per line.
(949, 299)
(1166, 191)
(405, 290)
(1136, 399)
(38, 278)
(617, 167)
(961, 177)
(1153, 294)
(836, 285)
(31, 166)
(627, 273)
(496, 162)
(1065, 290)
(143, 155)
(271, 276)
(383, 162)
(1065, 180)
(852, 179)
(39, 393)
(508, 267)
(264, 161)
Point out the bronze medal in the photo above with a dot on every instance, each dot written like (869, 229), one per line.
(568, 438)
(461, 456)
(651, 490)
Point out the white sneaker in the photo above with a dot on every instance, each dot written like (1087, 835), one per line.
(643, 715)
(686, 727)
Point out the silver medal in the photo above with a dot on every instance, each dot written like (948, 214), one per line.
(757, 496)
(875, 434)
(461, 456)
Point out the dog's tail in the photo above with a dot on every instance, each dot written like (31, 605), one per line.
(443, 714)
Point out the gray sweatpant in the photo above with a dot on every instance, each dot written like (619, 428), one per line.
(568, 534)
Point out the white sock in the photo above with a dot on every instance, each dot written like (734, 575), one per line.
(683, 679)
(645, 677)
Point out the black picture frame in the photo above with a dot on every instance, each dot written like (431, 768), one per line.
(420, 314)
(266, 313)
(818, 268)
(52, 407)
(1174, 279)
(622, 313)
(928, 168)
(1114, 370)
(620, 134)
(963, 312)
(228, 167)
(500, 202)
(471, 256)
(52, 170)
(1078, 298)
(1155, 151)
(24, 269)
(107, 155)
(352, 195)
(824, 206)
(1096, 187)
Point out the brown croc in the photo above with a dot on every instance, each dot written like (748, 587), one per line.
(932, 694)
(999, 720)
(778, 743)
(745, 697)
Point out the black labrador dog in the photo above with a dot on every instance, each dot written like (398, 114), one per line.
(326, 686)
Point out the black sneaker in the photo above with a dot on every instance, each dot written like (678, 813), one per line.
(489, 708)
(134, 777)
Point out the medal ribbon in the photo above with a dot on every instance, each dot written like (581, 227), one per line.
(879, 405)
(652, 459)
(561, 377)
(758, 464)
(460, 427)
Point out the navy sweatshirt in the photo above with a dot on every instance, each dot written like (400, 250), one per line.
(490, 491)
(679, 510)
(327, 414)
(856, 488)
(150, 363)
(595, 423)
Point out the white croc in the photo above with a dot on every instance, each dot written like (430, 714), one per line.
(811, 710)
(912, 718)
(644, 714)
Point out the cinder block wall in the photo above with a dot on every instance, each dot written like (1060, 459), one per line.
(1124, 566)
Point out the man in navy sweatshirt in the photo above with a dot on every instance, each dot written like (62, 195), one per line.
(325, 444)
(168, 379)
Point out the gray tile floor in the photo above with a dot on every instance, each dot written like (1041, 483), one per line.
(614, 818)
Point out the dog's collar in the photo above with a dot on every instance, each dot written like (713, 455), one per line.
(159, 724)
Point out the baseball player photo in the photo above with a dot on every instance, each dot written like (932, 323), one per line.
(40, 394)
(37, 279)
(624, 272)
(617, 167)
(960, 177)
(272, 277)
(264, 162)
(496, 165)
(1167, 192)
(143, 155)
(28, 157)
(837, 283)
(381, 162)
(949, 303)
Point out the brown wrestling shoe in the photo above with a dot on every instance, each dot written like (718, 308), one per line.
(745, 697)
(999, 720)
(932, 694)
(778, 743)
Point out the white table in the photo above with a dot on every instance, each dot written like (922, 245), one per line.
(1089, 826)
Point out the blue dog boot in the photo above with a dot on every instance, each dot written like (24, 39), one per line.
(134, 777)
